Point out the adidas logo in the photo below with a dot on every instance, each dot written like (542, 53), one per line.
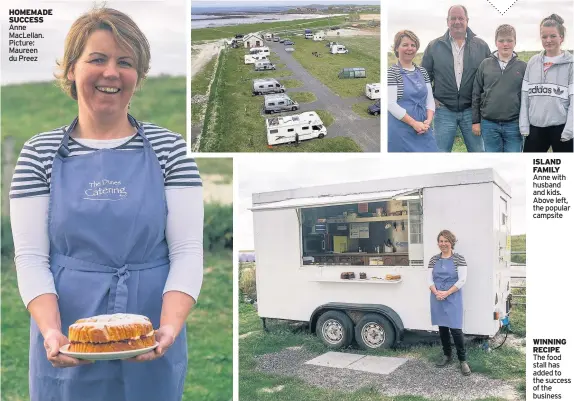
(540, 89)
(558, 91)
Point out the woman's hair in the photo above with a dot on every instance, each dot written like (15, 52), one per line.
(556, 21)
(505, 30)
(405, 34)
(125, 32)
(449, 237)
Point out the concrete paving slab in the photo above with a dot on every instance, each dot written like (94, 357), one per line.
(381, 365)
(335, 359)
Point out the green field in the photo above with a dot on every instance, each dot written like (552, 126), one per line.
(28, 109)
(233, 121)
(302, 97)
(364, 51)
(361, 109)
(203, 34)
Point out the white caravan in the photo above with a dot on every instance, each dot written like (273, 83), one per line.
(320, 35)
(252, 58)
(262, 51)
(268, 36)
(308, 240)
(373, 91)
(339, 49)
(295, 128)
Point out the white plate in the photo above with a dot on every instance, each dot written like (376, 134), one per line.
(106, 356)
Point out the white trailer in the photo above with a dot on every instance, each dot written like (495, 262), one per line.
(252, 58)
(307, 238)
(373, 91)
(339, 49)
(295, 128)
(320, 35)
(262, 51)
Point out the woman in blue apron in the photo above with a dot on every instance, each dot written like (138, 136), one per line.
(411, 104)
(446, 279)
(106, 224)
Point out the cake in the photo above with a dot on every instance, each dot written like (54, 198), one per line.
(111, 333)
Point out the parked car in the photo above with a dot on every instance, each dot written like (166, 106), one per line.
(276, 39)
(281, 40)
(288, 42)
(375, 109)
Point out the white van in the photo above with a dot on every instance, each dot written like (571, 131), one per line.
(267, 85)
(264, 51)
(308, 36)
(279, 102)
(252, 58)
(373, 91)
(339, 49)
(268, 36)
(295, 128)
(264, 65)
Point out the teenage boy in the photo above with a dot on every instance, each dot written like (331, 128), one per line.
(496, 95)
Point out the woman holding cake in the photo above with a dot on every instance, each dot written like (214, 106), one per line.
(446, 278)
(107, 220)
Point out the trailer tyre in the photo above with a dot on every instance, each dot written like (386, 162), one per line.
(374, 331)
(335, 329)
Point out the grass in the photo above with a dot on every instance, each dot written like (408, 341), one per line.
(209, 375)
(506, 363)
(326, 117)
(292, 83)
(362, 109)
(200, 82)
(302, 97)
(28, 109)
(203, 34)
(363, 52)
(220, 166)
(233, 122)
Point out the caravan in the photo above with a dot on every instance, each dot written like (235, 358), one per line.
(295, 128)
(362, 249)
(264, 65)
(268, 37)
(267, 85)
(262, 51)
(339, 49)
(320, 35)
(373, 91)
(252, 58)
(278, 103)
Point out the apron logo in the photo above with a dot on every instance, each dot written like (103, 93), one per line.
(107, 190)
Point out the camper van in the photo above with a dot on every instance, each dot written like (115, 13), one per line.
(385, 233)
(295, 128)
(267, 85)
(319, 35)
(339, 49)
(252, 58)
(278, 103)
(262, 51)
(373, 91)
(308, 36)
(264, 65)
(268, 36)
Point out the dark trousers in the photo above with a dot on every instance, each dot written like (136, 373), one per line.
(458, 338)
(540, 139)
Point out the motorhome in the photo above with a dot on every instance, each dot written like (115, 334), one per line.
(267, 85)
(320, 35)
(373, 91)
(268, 36)
(339, 49)
(278, 103)
(264, 65)
(356, 254)
(264, 51)
(308, 36)
(295, 128)
(252, 58)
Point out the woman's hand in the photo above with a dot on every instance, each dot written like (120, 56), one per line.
(420, 127)
(476, 129)
(441, 295)
(53, 340)
(165, 336)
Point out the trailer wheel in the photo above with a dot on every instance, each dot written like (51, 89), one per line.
(335, 329)
(374, 331)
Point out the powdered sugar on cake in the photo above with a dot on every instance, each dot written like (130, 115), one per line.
(117, 319)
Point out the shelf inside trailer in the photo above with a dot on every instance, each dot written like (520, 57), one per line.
(365, 281)
(366, 219)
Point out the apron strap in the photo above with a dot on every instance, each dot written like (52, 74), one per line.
(64, 149)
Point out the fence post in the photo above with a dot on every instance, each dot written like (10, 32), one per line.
(7, 171)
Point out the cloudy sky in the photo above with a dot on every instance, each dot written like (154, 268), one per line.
(162, 21)
(292, 171)
(525, 15)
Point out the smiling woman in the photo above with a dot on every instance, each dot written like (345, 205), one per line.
(107, 219)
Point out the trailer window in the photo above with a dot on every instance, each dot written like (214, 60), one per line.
(274, 131)
(360, 234)
(290, 129)
(305, 128)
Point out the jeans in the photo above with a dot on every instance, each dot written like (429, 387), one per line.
(445, 124)
(501, 136)
(458, 338)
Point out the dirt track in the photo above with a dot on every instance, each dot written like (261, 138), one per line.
(205, 53)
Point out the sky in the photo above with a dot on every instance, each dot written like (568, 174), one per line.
(162, 21)
(429, 23)
(292, 171)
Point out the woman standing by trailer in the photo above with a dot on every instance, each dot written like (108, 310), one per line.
(547, 93)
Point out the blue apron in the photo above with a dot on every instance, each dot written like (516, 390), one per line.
(401, 136)
(108, 254)
(447, 312)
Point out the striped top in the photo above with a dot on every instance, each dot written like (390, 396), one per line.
(394, 78)
(34, 166)
(456, 258)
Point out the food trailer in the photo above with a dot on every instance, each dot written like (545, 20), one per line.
(351, 259)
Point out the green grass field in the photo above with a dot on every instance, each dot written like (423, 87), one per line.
(204, 34)
(303, 97)
(209, 333)
(233, 121)
(361, 109)
(363, 52)
(28, 109)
